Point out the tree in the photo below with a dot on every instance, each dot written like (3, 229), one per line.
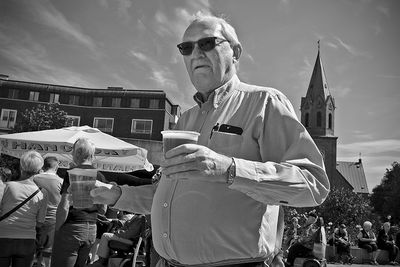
(42, 117)
(385, 197)
(343, 206)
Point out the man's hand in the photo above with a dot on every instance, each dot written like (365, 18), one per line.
(105, 193)
(192, 161)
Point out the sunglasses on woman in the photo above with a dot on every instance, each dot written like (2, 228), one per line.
(205, 44)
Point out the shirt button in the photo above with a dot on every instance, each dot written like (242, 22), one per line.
(165, 235)
(165, 204)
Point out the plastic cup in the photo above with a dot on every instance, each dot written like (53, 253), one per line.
(81, 182)
(173, 138)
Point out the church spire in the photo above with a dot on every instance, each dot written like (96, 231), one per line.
(318, 84)
(318, 106)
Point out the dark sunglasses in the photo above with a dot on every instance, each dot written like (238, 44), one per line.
(205, 44)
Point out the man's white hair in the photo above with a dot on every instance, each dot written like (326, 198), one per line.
(83, 150)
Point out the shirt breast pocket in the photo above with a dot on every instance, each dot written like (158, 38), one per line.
(226, 143)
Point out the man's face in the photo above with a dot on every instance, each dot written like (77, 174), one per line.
(208, 70)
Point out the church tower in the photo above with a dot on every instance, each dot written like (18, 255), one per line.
(318, 116)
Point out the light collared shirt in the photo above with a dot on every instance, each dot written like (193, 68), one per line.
(277, 163)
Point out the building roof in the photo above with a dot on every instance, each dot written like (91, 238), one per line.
(353, 172)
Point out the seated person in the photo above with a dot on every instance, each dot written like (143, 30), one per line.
(367, 240)
(341, 241)
(304, 244)
(129, 233)
(386, 242)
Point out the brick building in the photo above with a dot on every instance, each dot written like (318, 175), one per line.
(136, 116)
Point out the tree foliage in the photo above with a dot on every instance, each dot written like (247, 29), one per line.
(385, 197)
(342, 206)
(42, 117)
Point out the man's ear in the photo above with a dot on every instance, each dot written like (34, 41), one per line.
(237, 51)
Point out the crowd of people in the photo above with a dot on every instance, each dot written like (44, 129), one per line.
(215, 203)
(301, 240)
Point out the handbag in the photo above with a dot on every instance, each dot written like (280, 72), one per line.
(19, 205)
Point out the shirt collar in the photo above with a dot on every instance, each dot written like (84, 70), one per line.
(219, 94)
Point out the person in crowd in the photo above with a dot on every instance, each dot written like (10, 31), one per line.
(49, 180)
(218, 202)
(304, 244)
(386, 241)
(18, 229)
(75, 227)
(367, 240)
(342, 243)
(129, 234)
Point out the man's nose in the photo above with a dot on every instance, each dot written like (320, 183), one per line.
(197, 52)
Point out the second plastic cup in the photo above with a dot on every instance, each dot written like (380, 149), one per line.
(172, 138)
(81, 182)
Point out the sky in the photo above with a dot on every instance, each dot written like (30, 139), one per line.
(132, 44)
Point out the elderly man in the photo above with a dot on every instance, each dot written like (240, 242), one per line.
(218, 201)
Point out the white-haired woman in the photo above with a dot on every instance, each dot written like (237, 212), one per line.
(367, 240)
(18, 229)
(76, 227)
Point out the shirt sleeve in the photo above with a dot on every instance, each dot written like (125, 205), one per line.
(292, 170)
(136, 199)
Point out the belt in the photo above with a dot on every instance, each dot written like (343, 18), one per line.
(249, 264)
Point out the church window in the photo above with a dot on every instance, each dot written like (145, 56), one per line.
(306, 120)
(330, 121)
(319, 119)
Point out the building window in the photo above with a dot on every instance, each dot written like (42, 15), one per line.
(168, 107)
(73, 120)
(8, 118)
(54, 98)
(104, 124)
(319, 119)
(154, 103)
(116, 102)
(33, 96)
(73, 100)
(135, 103)
(97, 101)
(142, 126)
(330, 121)
(306, 120)
(13, 93)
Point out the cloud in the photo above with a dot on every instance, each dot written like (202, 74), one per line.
(340, 91)
(388, 76)
(305, 70)
(49, 16)
(384, 10)
(161, 75)
(371, 147)
(29, 60)
(352, 50)
(330, 44)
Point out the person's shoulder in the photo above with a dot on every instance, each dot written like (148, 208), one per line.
(264, 90)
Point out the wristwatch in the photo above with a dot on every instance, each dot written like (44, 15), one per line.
(231, 173)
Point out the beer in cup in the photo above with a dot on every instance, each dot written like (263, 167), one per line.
(172, 138)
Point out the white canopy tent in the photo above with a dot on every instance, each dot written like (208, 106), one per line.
(112, 154)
